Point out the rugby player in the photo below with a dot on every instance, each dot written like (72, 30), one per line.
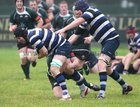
(46, 22)
(102, 31)
(27, 18)
(133, 38)
(47, 42)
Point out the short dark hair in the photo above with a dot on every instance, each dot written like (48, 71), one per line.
(22, 1)
(20, 32)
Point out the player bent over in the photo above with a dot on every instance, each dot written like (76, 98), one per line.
(46, 42)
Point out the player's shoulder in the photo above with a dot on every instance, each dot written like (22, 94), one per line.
(42, 11)
(13, 12)
(69, 19)
(29, 10)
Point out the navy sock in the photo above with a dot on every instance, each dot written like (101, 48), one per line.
(86, 83)
(61, 81)
(119, 67)
(115, 75)
(26, 70)
(80, 71)
(103, 79)
(75, 76)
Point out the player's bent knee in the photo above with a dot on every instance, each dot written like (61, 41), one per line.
(57, 91)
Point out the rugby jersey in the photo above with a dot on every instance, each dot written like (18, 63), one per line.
(134, 43)
(98, 25)
(44, 37)
(27, 19)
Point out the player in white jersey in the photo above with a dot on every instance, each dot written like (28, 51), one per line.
(104, 33)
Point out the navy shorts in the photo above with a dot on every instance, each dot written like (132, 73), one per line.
(110, 46)
(93, 60)
(64, 50)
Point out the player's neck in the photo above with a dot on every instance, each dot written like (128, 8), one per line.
(20, 9)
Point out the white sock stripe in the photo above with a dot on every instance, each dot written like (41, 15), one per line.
(119, 79)
(63, 83)
(102, 91)
(103, 83)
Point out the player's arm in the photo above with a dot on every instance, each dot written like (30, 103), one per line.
(35, 17)
(75, 23)
(137, 55)
(47, 22)
(43, 52)
(39, 22)
(12, 25)
(73, 38)
(50, 14)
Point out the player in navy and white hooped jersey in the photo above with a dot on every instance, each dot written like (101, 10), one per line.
(133, 38)
(102, 31)
(44, 37)
(47, 42)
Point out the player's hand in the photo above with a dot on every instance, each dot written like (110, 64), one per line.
(61, 31)
(12, 28)
(87, 40)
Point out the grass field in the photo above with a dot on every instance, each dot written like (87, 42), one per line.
(15, 92)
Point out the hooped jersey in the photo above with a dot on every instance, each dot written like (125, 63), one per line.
(134, 43)
(28, 18)
(98, 26)
(44, 37)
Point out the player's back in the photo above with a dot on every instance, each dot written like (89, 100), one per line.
(98, 25)
(45, 37)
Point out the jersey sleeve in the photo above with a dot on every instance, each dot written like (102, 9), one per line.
(44, 16)
(88, 15)
(12, 21)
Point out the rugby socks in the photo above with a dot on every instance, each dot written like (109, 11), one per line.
(125, 71)
(119, 67)
(80, 71)
(115, 75)
(103, 80)
(26, 70)
(76, 76)
(61, 81)
(86, 68)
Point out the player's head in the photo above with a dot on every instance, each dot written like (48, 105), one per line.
(20, 0)
(81, 5)
(20, 32)
(131, 30)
